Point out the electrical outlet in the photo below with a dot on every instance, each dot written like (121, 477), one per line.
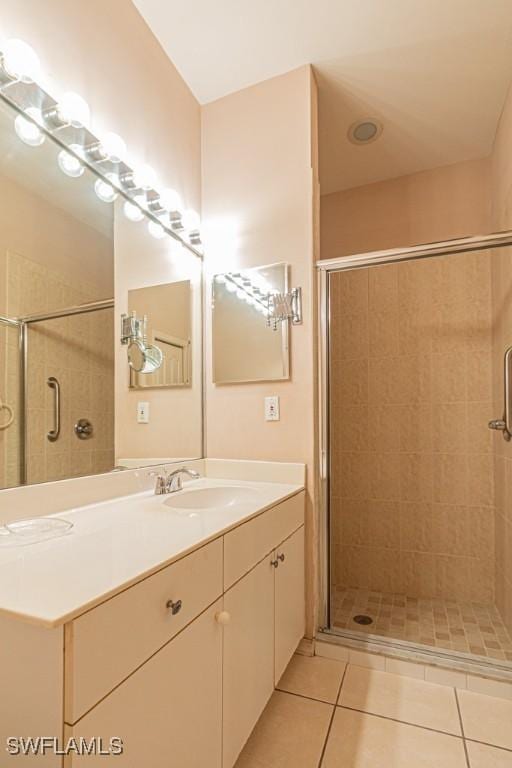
(143, 413)
(272, 408)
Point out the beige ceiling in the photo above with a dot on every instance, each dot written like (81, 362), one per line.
(434, 72)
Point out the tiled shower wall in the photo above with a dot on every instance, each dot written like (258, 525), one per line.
(502, 338)
(411, 394)
(77, 350)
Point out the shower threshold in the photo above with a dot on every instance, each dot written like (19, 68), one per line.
(452, 631)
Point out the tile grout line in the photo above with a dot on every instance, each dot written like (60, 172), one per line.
(332, 717)
(402, 722)
(462, 728)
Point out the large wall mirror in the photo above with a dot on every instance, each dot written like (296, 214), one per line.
(63, 371)
(247, 345)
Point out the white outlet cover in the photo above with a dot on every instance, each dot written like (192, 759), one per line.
(272, 408)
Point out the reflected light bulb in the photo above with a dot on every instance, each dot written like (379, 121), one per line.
(20, 61)
(104, 190)
(69, 164)
(144, 176)
(114, 146)
(132, 212)
(170, 200)
(191, 220)
(27, 131)
(73, 110)
(156, 230)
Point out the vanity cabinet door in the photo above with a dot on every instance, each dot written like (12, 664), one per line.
(248, 675)
(290, 600)
(169, 712)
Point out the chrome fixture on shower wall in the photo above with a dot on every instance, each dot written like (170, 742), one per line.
(505, 424)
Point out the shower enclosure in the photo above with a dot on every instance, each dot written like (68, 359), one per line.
(417, 546)
(58, 385)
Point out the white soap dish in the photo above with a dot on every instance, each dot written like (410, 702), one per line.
(33, 530)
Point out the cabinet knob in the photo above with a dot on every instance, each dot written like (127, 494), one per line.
(174, 606)
(275, 563)
(223, 617)
(281, 557)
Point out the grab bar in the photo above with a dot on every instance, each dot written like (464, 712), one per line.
(10, 415)
(54, 433)
(505, 424)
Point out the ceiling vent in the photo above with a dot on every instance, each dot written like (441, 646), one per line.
(364, 131)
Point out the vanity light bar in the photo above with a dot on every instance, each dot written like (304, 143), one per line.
(252, 292)
(67, 122)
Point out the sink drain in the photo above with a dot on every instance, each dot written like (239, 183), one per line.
(362, 619)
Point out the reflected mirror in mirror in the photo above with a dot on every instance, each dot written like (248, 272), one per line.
(246, 346)
(168, 313)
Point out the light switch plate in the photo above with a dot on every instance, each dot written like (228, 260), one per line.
(143, 412)
(272, 408)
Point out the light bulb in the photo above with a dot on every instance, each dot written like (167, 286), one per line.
(27, 131)
(73, 110)
(221, 279)
(69, 164)
(20, 61)
(114, 146)
(104, 190)
(170, 200)
(132, 212)
(144, 176)
(231, 287)
(191, 220)
(156, 230)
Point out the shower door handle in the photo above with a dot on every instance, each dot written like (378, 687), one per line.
(505, 424)
(54, 433)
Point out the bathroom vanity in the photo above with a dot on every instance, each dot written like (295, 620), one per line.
(164, 621)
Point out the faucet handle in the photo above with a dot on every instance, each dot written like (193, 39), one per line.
(161, 482)
(174, 483)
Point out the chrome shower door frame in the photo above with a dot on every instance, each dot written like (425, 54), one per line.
(325, 269)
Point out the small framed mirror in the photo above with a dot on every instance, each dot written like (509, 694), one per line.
(247, 345)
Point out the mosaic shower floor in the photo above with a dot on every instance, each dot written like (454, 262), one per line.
(445, 624)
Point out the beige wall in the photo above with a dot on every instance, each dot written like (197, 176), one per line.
(501, 177)
(412, 480)
(451, 201)
(175, 426)
(107, 53)
(258, 187)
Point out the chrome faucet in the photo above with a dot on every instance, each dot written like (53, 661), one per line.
(172, 482)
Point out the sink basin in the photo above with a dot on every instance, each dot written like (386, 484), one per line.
(210, 498)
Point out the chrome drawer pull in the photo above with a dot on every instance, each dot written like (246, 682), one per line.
(174, 606)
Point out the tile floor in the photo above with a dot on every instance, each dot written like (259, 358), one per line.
(327, 714)
(466, 627)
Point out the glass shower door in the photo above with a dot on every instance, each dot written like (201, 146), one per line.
(11, 402)
(419, 501)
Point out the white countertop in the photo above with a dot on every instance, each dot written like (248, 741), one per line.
(112, 545)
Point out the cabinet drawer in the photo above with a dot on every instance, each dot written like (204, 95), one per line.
(105, 645)
(249, 543)
(169, 713)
